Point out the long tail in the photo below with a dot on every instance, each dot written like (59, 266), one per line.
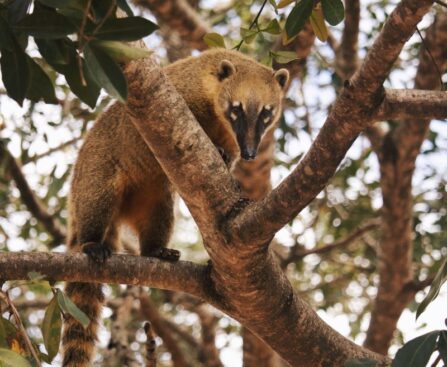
(78, 344)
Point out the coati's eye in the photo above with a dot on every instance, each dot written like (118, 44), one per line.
(235, 111)
(266, 114)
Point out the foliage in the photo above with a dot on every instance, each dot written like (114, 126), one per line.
(71, 29)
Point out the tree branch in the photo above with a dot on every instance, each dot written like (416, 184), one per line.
(351, 113)
(180, 276)
(193, 165)
(346, 61)
(180, 16)
(150, 312)
(300, 253)
(413, 104)
(397, 157)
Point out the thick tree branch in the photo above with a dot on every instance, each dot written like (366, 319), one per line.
(198, 173)
(413, 104)
(351, 113)
(180, 276)
(397, 158)
(209, 354)
(29, 199)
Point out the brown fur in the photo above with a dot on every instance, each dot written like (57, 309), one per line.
(116, 179)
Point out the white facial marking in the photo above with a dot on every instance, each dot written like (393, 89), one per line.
(268, 107)
(233, 116)
(236, 104)
(266, 120)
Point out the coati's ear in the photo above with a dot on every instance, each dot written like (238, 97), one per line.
(226, 68)
(282, 77)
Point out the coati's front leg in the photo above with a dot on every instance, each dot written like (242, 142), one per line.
(155, 230)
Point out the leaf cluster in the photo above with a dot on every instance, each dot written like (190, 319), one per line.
(81, 39)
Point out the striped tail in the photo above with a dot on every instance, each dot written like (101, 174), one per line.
(78, 344)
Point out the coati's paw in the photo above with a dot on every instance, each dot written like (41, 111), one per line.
(97, 252)
(164, 253)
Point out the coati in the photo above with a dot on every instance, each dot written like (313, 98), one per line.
(117, 180)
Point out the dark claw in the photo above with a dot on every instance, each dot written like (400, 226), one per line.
(164, 253)
(97, 252)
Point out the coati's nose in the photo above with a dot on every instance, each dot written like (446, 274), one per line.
(248, 153)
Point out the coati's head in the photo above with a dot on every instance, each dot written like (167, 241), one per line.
(250, 101)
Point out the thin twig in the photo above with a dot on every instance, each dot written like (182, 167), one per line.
(437, 360)
(29, 344)
(255, 22)
(103, 20)
(81, 41)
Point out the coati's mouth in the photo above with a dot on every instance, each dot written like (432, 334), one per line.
(248, 154)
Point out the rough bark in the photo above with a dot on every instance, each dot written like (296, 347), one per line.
(181, 276)
(397, 157)
(413, 104)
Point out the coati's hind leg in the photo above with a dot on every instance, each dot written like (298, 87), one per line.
(96, 229)
(154, 229)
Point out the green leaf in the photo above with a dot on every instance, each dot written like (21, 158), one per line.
(17, 9)
(6, 36)
(51, 328)
(298, 16)
(125, 29)
(106, 72)
(284, 3)
(122, 52)
(54, 51)
(15, 72)
(360, 363)
(249, 35)
(442, 346)
(440, 278)
(416, 352)
(63, 57)
(40, 86)
(88, 92)
(333, 10)
(122, 4)
(214, 40)
(273, 27)
(69, 307)
(35, 276)
(318, 24)
(273, 3)
(46, 24)
(8, 358)
(283, 57)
